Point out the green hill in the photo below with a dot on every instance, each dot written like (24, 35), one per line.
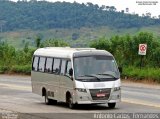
(76, 37)
(77, 24)
(42, 15)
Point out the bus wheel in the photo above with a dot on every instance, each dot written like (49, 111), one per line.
(47, 100)
(70, 102)
(111, 105)
(54, 102)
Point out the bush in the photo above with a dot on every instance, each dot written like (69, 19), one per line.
(144, 73)
(3, 69)
(26, 69)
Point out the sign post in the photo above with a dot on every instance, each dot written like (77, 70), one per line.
(142, 52)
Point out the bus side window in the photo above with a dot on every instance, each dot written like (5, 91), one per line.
(63, 67)
(49, 62)
(69, 66)
(35, 63)
(56, 66)
(42, 64)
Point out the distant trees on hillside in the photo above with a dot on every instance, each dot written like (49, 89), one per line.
(46, 15)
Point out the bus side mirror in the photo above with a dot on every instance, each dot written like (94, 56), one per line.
(70, 72)
(120, 69)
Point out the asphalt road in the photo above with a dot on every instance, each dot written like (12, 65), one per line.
(17, 99)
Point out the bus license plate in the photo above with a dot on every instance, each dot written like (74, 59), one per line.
(101, 95)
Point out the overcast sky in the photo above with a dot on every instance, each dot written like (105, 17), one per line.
(123, 4)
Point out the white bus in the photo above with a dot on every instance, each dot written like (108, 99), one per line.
(76, 76)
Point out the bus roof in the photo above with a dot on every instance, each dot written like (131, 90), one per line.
(67, 52)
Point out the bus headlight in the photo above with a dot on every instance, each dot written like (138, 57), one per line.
(117, 88)
(81, 90)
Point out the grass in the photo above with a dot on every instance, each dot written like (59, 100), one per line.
(16, 69)
(142, 74)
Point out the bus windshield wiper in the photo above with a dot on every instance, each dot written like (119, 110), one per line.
(90, 76)
(107, 75)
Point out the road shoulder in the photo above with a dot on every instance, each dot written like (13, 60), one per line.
(130, 83)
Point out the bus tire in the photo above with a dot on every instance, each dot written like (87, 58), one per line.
(111, 105)
(69, 100)
(70, 103)
(54, 102)
(47, 100)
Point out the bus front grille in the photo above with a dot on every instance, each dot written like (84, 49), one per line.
(100, 94)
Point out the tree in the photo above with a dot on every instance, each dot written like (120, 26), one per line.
(107, 8)
(148, 14)
(127, 10)
(38, 42)
(54, 43)
(101, 43)
(112, 8)
(75, 36)
(26, 47)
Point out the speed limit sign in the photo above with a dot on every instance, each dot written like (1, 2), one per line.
(142, 49)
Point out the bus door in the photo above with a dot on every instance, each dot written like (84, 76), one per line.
(66, 84)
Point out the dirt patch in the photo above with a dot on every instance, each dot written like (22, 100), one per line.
(144, 81)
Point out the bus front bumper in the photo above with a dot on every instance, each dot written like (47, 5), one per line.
(87, 99)
(97, 102)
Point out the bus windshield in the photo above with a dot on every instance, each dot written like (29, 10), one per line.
(91, 66)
